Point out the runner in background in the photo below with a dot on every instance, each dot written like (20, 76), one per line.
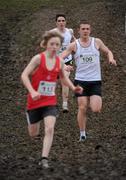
(68, 38)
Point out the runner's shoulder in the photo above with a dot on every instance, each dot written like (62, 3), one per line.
(97, 40)
(54, 30)
(71, 31)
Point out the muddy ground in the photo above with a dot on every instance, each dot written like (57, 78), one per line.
(103, 155)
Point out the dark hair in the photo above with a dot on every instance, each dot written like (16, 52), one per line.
(48, 35)
(60, 15)
(83, 21)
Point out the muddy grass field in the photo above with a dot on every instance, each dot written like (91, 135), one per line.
(103, 155)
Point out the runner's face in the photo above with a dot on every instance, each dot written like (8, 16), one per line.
(84, 30)
(53, 45)
(61, 22)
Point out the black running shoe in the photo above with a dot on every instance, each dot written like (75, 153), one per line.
(82, 138)
(44, 163)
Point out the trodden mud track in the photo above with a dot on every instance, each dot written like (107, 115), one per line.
(103, 155)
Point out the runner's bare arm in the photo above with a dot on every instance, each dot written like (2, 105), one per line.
(101, 46)
(72, 33)
(71, 48)
(30, 68)
(66, 81)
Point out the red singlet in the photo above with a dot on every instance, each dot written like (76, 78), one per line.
(44, 81)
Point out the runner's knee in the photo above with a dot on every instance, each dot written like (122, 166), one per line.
(82, 108)
(33, 131)
(96, 109)
(49, 130)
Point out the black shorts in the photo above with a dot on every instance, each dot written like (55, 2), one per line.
(90, 88)
(35, 115)
(69, 62)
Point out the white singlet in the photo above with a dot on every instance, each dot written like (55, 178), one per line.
(67, 39)
(87, 61)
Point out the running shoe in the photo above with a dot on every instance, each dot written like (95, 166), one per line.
(82, 138)
(44, 163)
(65, 109)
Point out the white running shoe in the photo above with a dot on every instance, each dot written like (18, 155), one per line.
(65, 109)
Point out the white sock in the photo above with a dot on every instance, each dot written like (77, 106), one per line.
(65, 103)
(82, 133)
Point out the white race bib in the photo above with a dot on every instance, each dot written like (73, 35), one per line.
(87, 59)
(47, 88)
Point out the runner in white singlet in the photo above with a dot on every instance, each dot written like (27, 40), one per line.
(86, 51)
(68, 38)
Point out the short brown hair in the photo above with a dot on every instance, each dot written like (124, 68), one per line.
(48, 35)
(83, 21)
(60, 15)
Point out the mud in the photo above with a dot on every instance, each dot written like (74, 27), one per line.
(103, 155)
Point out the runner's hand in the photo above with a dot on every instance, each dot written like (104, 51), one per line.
(78, 89)
(68, 68)
(112, 62)
(35, 95)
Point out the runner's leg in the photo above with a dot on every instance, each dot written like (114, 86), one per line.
(65, 94)
(33, 129)
(49, 123)
(81, 116)
(95, 103)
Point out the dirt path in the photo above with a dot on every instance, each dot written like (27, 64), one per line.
(103, 155)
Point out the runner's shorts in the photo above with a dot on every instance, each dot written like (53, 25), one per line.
(90, 88)
(69, 62)
(35, 115)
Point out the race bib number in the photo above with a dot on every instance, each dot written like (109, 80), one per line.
(63, 47)
(47, 88)
(87, 59)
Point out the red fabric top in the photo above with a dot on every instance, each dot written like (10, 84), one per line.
(44, 76)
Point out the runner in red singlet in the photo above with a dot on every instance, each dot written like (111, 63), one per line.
(39, 78)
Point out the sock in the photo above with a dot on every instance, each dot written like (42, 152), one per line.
(82, 133)
(64, 103)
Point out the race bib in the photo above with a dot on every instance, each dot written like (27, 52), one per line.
(47, 88)
(63, 47)
(87, 59)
